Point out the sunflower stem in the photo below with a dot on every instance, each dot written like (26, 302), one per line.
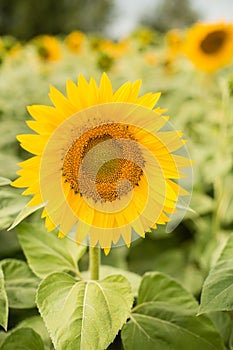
(94, 262)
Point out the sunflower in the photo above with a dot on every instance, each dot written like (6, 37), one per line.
(75, 41)
(115, 49)
(145, 37)
(210, 46)
(48, 48)
(104, 163)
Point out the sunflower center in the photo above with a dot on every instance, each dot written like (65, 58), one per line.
(104, 163)
(213, 42)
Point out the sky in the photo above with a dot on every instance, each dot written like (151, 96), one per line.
(130, 11)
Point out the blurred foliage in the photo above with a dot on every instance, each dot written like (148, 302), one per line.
(169, 14)
(25, 19)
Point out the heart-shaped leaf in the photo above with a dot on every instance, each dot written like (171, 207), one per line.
(166, 327)
(85, 315)
(158, 287)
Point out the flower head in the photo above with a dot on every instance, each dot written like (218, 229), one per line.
(75, 41)
(210, 46)
(106, 163)
(115, 49)
(48, 48)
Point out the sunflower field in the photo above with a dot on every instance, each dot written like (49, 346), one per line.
(126, 148)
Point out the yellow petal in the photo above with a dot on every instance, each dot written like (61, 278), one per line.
(61, 102)
(105, 89)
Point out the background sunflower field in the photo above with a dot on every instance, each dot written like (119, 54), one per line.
(183, 280)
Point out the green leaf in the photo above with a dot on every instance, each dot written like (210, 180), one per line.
(84, 315)
(45, 252)
(158, 287)
(11, 203)
(3, 336)
(23, 339)
(37, 324)
(165, 327)
(25, 212)
(4, 181)
(224, 324)
(106, 270)
(3, 302)
(217, 293)
(20, 283)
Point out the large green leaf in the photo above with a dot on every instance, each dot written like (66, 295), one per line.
(85, 315)
(166, 327)
(158, 287)
(217, 293)
(20, 283)
(3, 302)
(45, 252)
(23, 339)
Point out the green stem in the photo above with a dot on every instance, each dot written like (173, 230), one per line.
(94, 262)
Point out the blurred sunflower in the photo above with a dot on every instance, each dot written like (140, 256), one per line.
(210, 46)
(115, 49)
(151, 58)
(103, 167)
(105, 62)
(75, 41)
(95, 43)
(145, 37)
(174, 42)
(48, 48)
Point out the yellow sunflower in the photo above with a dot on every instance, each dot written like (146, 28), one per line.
(75, 41)
(210, 46)
(115, 49)
(106, 164)
(48, 48)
